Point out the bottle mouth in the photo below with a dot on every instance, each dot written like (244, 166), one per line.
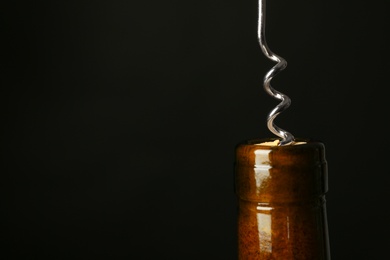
(277, 142)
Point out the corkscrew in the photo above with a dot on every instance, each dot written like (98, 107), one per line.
(286, 137)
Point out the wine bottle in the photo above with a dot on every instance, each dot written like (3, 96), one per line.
(281, 200)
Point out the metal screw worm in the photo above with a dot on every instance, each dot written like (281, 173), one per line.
(286, 137)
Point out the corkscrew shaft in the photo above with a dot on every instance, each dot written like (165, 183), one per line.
(281, 64)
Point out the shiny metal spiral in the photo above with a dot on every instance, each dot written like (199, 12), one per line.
(286, 137)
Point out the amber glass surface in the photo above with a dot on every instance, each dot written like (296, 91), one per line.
(281, 193)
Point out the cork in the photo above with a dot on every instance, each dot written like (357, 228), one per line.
(281, 200)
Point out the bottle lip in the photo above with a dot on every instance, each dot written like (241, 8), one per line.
(306, 153)
(267, 173)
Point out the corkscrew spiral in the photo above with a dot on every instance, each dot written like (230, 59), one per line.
(286, 137)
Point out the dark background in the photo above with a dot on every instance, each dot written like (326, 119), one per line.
(120, 119)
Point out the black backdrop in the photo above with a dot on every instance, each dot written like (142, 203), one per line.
(120, 119)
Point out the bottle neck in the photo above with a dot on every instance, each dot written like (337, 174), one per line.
(281, 192)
